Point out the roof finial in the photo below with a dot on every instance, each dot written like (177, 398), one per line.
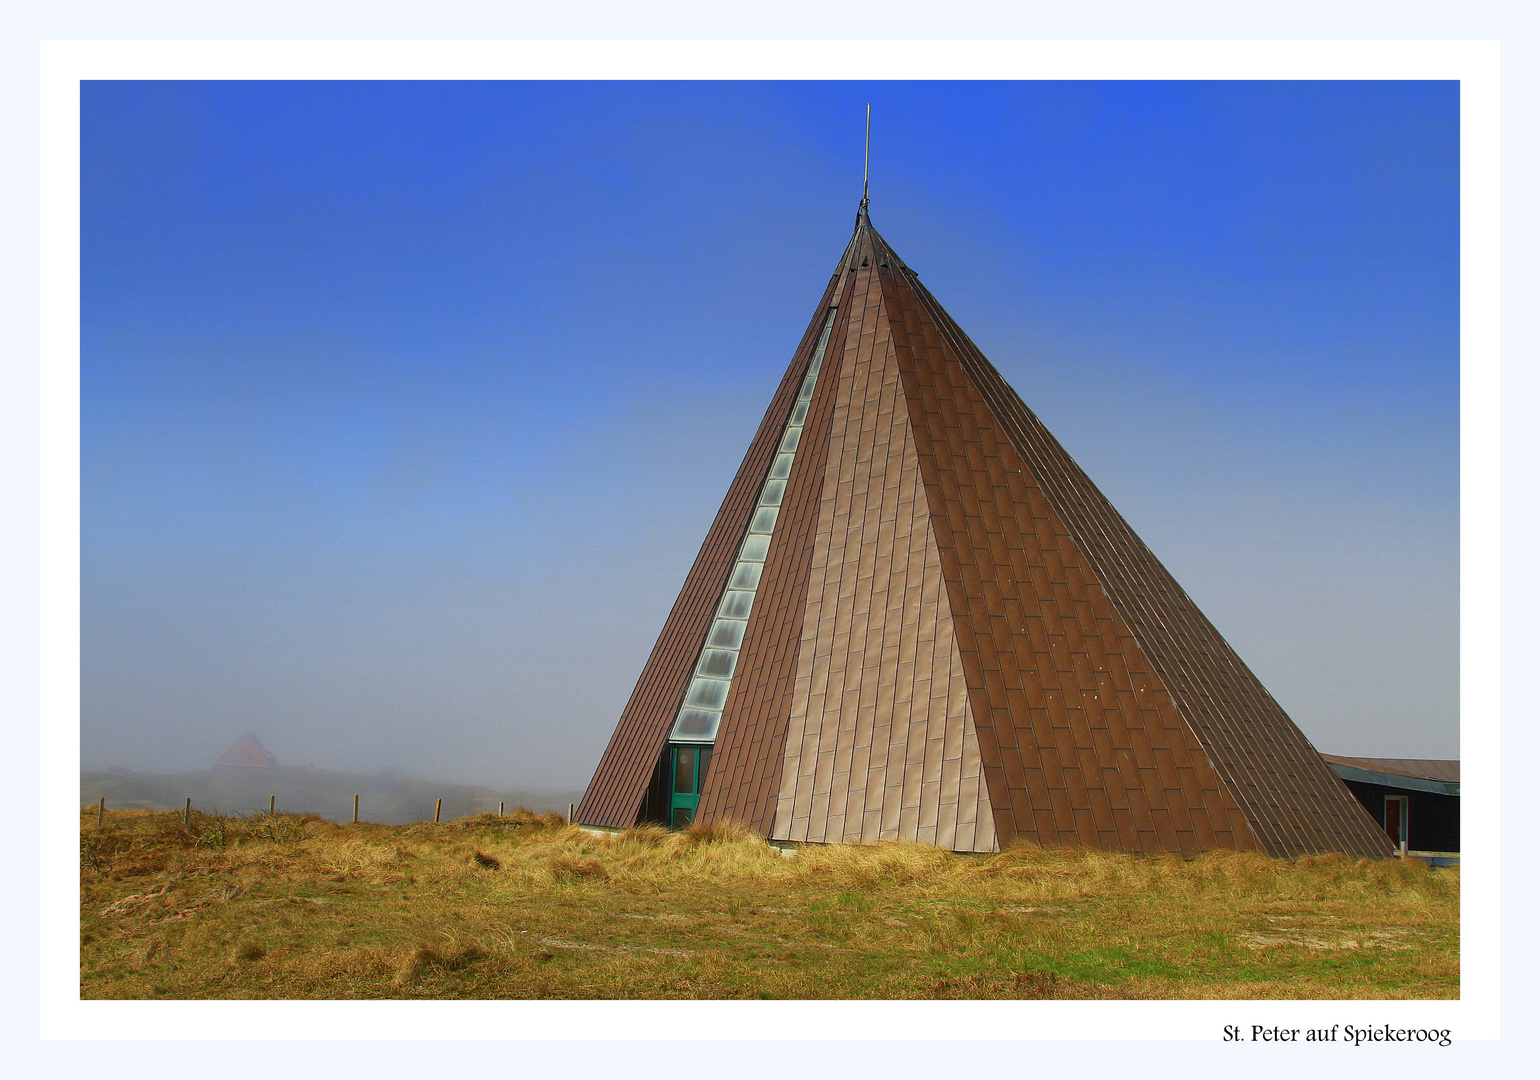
(866, 166)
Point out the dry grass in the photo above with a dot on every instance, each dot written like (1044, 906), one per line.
(527, 906)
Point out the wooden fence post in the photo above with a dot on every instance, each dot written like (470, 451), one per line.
(272, 805)
(499, 808)
(570, 808)
(187, 813)
(438, 804)
(355, 809)
(101, 810)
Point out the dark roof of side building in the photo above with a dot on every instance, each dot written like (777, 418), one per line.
(1437, 775)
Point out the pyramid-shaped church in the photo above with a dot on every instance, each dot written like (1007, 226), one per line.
(915, 617)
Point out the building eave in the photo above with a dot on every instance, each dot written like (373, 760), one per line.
(1393, 780)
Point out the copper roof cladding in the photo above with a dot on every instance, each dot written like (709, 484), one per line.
(958, 640)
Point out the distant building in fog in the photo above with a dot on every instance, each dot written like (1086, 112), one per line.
(247, 754)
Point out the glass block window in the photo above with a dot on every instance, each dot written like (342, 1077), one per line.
(755, 547)
(718, 662)
(746, 575)
(696, 725)
(764, 520)
(736, 605)
(706, 693)
(725, 634)
(771, 493)
(701, 713)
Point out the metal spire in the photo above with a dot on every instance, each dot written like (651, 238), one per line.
(866, 166)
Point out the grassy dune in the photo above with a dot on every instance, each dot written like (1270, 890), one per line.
(527, 907)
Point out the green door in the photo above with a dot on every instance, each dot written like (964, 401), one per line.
(687, 766)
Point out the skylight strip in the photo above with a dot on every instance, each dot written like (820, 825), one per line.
(701, 714)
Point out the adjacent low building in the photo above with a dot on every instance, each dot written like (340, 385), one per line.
(1415, 800)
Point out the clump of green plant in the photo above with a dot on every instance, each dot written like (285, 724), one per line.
(93, 853)
(214, 834)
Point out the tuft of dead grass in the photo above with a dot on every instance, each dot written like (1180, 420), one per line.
(719, 832)
(423, 961)
(887, 863)
(648, 835)
(572, 868)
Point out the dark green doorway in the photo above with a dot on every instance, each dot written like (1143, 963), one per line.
(687, 773)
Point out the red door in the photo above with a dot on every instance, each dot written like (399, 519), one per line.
(1395, 820)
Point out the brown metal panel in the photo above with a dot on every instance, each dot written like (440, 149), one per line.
(1203, 830)
(1101, 812)
(1085, 832)
(1127, 834)
(1167, 771)
(1080, 727)
(1022, 808)
(1075, 788)
(1181, 818)
(1049, 764)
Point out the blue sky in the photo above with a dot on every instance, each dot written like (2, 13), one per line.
(405, 406)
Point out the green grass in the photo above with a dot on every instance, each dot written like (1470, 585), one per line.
(298, 907)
